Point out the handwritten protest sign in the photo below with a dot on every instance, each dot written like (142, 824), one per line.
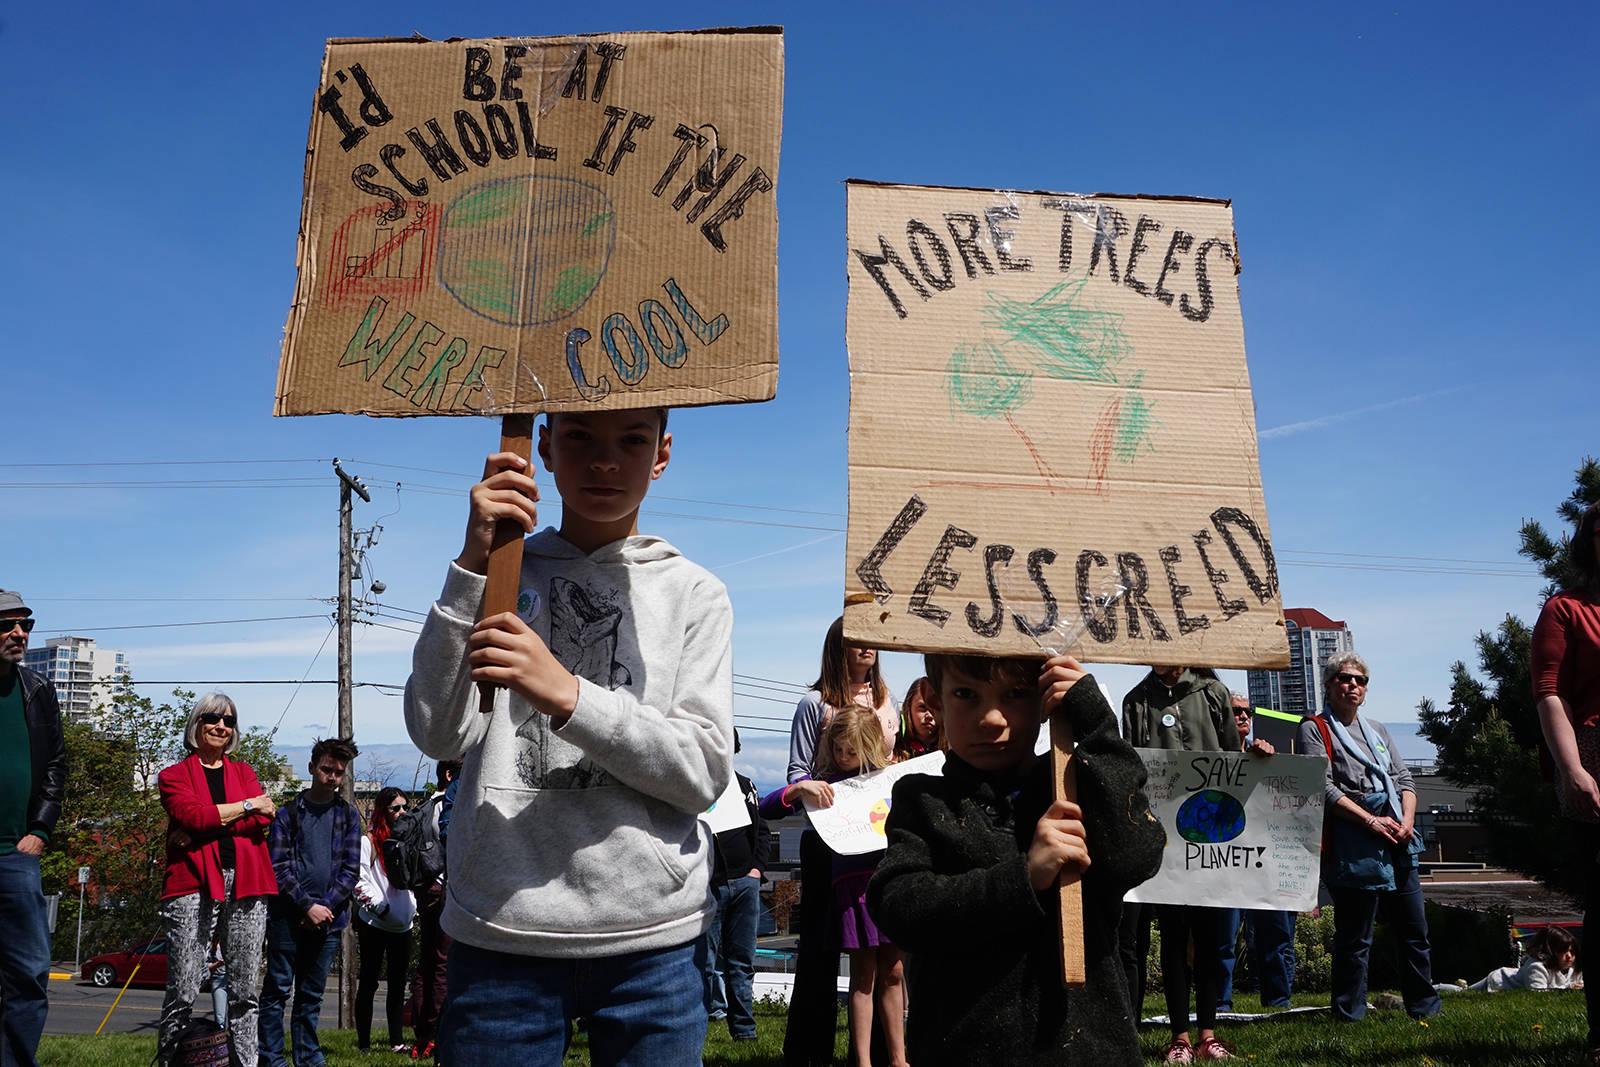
(538, 224)
(1049, 395)
(1242, 831)
(853, 824)
(728, 811)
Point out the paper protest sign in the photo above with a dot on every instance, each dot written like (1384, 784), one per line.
(538, 224)
(1242, 831)
(853, 823)
(1049, 396)
(728, 811)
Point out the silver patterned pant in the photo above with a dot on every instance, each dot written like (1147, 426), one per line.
(192, 920)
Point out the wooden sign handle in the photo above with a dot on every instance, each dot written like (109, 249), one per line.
(1064, 775)
(505, 555)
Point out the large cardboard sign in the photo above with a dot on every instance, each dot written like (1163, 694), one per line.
(1242, 831)
(539, 224)
(854, 823)
(1050, 420)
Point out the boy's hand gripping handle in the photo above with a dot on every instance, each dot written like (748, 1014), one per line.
(1064, 776)
(505, 555)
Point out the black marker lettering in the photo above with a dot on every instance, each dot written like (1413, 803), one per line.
(1039, 559)
(1002, 238)
(1137, 249)
(989, 627)
(938, 575)
(869, 570)
(1264, 587)
(1218, 578)
(1102, 627)
(966, 242)
(945, 279)
(1180, 243)
(1137, 579)
(1187, 624)
(1109, 224)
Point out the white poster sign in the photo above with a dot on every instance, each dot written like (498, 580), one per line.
(1242, 831)
(853, 824)
(727, 812)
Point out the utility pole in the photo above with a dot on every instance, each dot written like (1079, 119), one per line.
(347, 557)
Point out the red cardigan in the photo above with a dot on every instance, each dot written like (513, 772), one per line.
(1566, 654)
(196, 868)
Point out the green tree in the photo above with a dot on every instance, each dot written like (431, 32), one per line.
(113, 821)
(1488, 735)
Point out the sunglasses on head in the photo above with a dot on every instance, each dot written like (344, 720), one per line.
(26, 624)
(1347, 677)
(211, 718)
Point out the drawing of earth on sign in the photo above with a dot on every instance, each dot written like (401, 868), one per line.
(879, 812)
(527, 250)
(1210, 817)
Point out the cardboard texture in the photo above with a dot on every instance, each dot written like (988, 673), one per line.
(539, 224)
(1049, 398)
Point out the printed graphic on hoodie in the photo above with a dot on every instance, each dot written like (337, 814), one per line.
(583, 638)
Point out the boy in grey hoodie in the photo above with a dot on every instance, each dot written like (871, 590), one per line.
(578, 866)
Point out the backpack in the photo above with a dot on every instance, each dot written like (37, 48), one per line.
(413, 854)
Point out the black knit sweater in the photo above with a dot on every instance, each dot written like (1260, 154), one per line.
(982, 948)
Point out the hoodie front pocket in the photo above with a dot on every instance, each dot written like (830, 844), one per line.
(578, 861)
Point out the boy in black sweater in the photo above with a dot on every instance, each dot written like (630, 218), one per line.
(966, 887)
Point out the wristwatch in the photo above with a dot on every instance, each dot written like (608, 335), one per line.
(248, 807)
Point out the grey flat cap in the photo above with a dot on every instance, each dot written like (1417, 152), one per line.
(10, 601)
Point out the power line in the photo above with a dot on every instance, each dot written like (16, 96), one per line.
(172, 625)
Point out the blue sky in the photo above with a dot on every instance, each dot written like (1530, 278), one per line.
(1412, 188)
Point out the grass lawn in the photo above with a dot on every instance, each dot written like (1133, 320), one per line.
(1499, 1030)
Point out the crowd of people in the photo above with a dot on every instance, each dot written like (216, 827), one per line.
(585, 887)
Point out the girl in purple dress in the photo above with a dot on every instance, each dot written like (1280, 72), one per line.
(853, 743)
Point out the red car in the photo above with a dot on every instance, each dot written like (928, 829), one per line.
(113, 968)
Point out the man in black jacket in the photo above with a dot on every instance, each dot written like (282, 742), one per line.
(728, 949)
(33, 770)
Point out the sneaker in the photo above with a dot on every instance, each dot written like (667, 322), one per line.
(1212, 1049)
(401, 1049)
(1179, 1051)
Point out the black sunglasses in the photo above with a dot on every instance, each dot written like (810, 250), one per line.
(26, 624)
(1346, 676)
(211, 718)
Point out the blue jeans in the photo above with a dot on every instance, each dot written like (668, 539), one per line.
(501, 1010)
(24, 960)
(1401, 909)
(1271, 934)
(1269, 938)
(730, 955)
(1228, 923)
(298, 958)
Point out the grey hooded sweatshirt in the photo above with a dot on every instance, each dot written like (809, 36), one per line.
(584, 840)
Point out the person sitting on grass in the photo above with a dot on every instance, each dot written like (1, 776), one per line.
(1550, 962)
(967, 887)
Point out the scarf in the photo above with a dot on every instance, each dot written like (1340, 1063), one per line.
(1377, 746)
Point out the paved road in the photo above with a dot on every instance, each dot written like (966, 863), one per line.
(77, 1007)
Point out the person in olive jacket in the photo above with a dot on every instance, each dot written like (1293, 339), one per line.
(32, 785)
(967, 886)
(1185, 709)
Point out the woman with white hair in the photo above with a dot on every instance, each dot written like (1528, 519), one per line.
(1370, 843)
(219, 873)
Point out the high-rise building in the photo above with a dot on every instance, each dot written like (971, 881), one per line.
(1313, 637)
(80, 669)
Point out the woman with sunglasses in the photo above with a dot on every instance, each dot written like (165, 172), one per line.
(219, 874)
(1370, 844)
(383, 925)
(1565, 664)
